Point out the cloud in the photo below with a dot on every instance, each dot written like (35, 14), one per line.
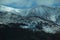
(45, 2)
(26, 3)
(19, 3)
(56, 3)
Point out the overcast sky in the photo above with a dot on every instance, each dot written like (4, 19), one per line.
(29, 3)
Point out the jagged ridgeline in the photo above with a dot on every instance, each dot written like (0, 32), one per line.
(40, 18)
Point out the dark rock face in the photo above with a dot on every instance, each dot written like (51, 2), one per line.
(15, 33)
(25, 34)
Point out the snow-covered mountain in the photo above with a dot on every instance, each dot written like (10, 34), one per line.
(41, 16)
(9, 14)
(49, 13)
(22, 12)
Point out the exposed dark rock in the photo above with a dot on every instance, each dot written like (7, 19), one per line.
(8, 33)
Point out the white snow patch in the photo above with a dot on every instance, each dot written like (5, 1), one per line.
(49, 29)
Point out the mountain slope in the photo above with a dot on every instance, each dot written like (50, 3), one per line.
(32, 19)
